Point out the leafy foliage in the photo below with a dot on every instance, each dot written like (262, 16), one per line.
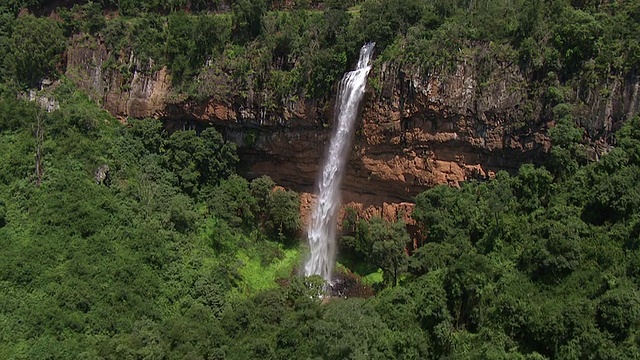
(35, 46)
(178, 257)
(382, 244)
(117, 269)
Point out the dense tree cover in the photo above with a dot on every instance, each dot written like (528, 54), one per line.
(530, 266)
(381, 244)
(175, 256)
(120, 269)
(30, 48)
(302, 52)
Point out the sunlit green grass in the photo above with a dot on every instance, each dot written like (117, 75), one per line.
(373, 278)
(369, 276)
(257, 277)
(354, 10)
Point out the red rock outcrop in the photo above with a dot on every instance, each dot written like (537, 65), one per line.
(416, 129)
(387, 211)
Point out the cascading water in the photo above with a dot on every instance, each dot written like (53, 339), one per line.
(322, 229)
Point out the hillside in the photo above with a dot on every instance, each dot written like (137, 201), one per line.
(457, 92)
(136, 220)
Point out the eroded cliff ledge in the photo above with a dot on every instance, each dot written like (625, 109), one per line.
(417, 129)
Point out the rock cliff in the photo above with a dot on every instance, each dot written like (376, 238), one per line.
(417, 129)
(126, 91)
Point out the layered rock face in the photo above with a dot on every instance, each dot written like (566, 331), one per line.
(416, 130)
(126, 92)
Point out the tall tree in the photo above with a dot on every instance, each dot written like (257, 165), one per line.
(388, 247)
(36, 46)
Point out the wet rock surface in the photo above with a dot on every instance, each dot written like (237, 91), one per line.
(348, 285)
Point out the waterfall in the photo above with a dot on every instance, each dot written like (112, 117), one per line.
(322, 228)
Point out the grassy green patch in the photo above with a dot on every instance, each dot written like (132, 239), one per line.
(358, 267)
(373, 278)
(258, 277)
(369, 276)
(354, 11)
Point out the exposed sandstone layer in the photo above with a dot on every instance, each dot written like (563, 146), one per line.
(416, 129)
(125, 92)
(387, 211)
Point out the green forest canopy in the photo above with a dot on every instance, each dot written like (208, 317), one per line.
(302, 51)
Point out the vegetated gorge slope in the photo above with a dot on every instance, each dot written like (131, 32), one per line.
(457, 91)
(418, 128)
(179, 257)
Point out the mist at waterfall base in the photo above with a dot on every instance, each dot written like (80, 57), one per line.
(323, 224)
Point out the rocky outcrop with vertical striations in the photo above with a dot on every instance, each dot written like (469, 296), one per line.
(417, 128)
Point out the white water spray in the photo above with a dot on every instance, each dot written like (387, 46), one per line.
(322, 229)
